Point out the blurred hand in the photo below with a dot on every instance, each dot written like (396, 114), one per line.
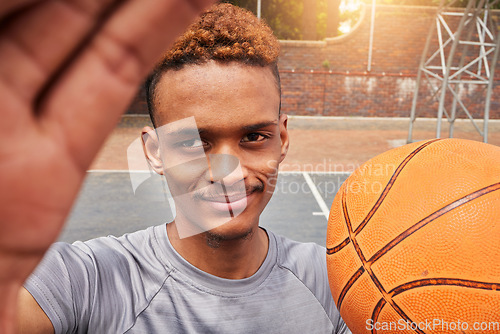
(68, 69)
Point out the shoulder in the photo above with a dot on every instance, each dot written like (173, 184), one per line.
(307, 262)
(98, 258)
(124, 243)
(107, 253)
(304, 259)
(75, 282)
(130, 260)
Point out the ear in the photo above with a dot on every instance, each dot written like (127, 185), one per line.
(151, 147)
(284, 136)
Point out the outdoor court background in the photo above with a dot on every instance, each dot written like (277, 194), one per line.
(323, 152)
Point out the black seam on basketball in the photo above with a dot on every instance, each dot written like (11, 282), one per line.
(435, 281)
(339, 247)
(376, 312)
(360, 271)
(360, 254)
(349, 228)
(433, 216)
(379, 307)
(390, 184)
(444, 281)
(366, 266)
(348, 285)
(403, 314)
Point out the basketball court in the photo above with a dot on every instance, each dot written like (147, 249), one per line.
(323, 152)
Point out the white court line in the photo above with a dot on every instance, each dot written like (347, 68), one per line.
(317, 195)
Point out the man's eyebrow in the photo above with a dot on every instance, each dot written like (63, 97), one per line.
(257, 126)
(199, 131)
(185, 132)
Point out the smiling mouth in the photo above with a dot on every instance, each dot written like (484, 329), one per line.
(232, 203)
(226, 198)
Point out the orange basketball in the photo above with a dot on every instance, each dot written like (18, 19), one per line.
(413, 240)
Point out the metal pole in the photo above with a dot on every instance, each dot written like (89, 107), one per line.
(370, 47)
(457, 85)
(490, 90)
(419, 75)
(259, 6)
(444, 85)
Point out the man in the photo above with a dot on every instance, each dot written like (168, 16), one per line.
(218, 139)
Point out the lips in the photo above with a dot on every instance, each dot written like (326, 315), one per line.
(233, 203)
(224, 198)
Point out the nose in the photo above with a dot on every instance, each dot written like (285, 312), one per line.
(225, 168)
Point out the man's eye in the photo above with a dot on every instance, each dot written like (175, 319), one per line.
(192, 143)
(253, 137)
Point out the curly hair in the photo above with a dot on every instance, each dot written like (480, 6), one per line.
(224, 33)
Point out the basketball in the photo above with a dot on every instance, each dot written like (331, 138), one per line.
(413, 240)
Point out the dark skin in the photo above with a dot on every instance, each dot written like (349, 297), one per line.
(66, 75)
(236, 110)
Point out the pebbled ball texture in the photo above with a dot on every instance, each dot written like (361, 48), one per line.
(413, 240)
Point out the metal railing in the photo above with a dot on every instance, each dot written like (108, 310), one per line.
(467, 56)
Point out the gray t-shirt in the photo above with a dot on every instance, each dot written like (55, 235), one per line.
(138, 283)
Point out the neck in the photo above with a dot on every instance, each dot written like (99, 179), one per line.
(236, 258)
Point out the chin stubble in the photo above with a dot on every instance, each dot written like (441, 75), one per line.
(215, 240)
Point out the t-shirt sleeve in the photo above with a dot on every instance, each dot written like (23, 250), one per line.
(64, 287)
(308, 262)
(97, 286)
(342, 327)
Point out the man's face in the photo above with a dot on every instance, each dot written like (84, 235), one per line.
(221, 140)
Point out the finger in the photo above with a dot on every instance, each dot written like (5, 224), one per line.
(9, 6)
(38, 40)
(106, 76)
